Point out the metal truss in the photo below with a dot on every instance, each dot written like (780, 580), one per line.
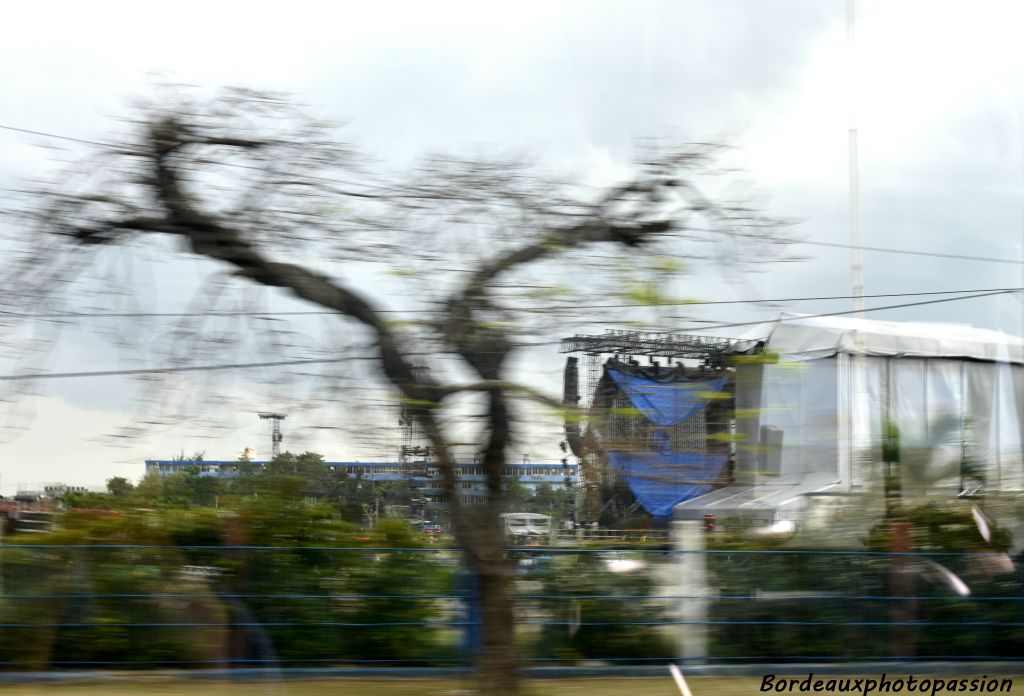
(654, 344)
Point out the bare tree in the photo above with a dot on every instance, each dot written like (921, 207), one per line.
(250, 182)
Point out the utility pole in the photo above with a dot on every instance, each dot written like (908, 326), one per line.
(275, 431)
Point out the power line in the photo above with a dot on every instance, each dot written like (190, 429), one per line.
(320, 361)
(838, 245)
(322, 312)
(56, 136)
(804, 299)
(912, 252)
(852, 311)
(98, 143)
(182, 368)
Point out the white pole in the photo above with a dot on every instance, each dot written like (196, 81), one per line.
(857, 264)
(857, 385)
(688, 538)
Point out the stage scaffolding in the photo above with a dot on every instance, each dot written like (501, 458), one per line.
(708, 351)
(607, 419)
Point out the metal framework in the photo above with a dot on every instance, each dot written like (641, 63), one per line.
(654, 344)
(708, 349)
(617, 425)
(414, 450)
(275, 430)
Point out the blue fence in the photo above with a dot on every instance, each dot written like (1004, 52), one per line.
(139, 606)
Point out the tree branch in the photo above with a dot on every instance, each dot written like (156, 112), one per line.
(210, 238)
(491, 385)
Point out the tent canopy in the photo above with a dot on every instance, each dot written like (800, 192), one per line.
(956, 393)
(796, 337)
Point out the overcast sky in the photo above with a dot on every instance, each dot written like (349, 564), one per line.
(935, 89)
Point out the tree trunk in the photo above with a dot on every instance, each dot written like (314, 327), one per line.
(498, 661)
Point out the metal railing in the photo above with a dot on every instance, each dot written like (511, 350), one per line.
(590, 534)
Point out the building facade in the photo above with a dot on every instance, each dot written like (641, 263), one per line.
(424, 477)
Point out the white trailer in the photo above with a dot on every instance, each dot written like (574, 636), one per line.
(524, 526)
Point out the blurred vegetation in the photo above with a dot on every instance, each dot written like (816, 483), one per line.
(103, 587)
(556, 501)
(94, 591)
(783, 584)
(602, 611)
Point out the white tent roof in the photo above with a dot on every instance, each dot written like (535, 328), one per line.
(796, 337)
(760, 502)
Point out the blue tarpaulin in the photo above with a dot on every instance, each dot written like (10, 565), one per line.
(666, 403)
(663, 478)
(660, 480)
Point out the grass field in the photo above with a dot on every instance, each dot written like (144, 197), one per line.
(387, 687)
(650, 686)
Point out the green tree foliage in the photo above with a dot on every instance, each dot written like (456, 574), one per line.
(196, 458)
(119, 486)
(517, 495)
(836, 590)
(591, 593)
(86, 594)
(557, 501)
